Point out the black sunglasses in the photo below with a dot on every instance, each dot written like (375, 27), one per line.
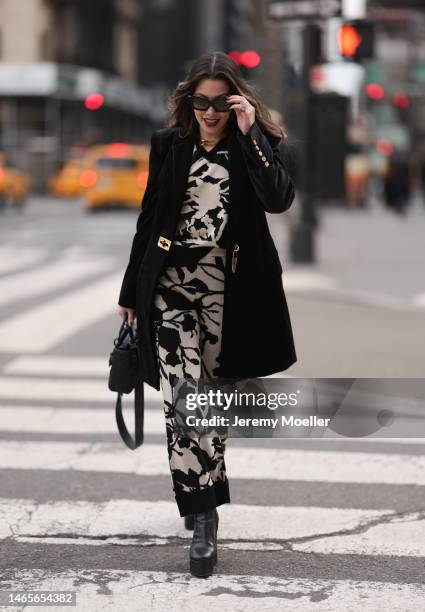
(199, 103)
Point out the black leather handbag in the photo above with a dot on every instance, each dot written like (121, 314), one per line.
(124, 376)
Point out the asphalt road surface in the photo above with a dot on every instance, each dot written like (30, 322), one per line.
(319, 524)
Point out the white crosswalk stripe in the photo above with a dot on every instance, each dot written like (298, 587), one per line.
(13, 258)
(48, 419)
(51, 419)
(253, 463)
(84, 390)
(45, 325)
(58, 365)
(50, 277)
(125, 590)
(240, 522)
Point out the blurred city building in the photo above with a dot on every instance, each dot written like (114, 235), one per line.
(75, 72)
(79, 72)
(69, 77)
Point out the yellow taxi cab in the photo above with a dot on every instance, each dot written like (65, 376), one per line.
(66, 182)
(14, 185)
(115, 174)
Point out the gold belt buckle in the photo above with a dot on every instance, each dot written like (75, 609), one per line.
(164, 243)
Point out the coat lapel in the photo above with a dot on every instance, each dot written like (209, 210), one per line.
(181, 161)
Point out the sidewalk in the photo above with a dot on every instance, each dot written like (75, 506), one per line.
(359, 311)
(370, 256)
(338, 340)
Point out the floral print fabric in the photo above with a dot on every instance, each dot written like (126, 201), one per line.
(203, 216)
(187, 315)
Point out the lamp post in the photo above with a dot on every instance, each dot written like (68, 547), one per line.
(302, 237)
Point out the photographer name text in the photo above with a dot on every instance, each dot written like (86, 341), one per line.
(285, 421)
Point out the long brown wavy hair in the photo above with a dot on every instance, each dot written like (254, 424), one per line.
(216, 65)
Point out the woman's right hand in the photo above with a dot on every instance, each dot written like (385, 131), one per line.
(130, 312)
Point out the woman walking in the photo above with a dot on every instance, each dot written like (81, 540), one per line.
(204, 278)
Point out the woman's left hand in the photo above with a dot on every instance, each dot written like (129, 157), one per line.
(245, 117)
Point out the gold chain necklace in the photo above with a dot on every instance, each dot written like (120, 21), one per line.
(210, 141)
(205, 141)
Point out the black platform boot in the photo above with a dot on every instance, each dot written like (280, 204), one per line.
(189, 522)
(203, 550)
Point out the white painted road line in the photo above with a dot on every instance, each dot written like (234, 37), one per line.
(127, 589)
(414, 441)
(44, 326)
(81, 365)
(47, 419)
(65, 389)
(62, 365)
(362, 532)
(60, 389)
(51, 420)
(50, 277)
(13, 259)
(306, 279)
(419, 300)
(250, 463)
(162, 519)
(401, 536)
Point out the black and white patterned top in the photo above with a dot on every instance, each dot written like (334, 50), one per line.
(203, 216)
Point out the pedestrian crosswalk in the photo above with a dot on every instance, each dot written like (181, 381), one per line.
(253, 526)
(312, 525)
(50, 277)
(277, 464)
(14, 259)
(42, 327)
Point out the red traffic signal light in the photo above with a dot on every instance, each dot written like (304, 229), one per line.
(401, 100)
(375, 91)
(94, 101)
(356, 39)
(248, 59)
(349, 40)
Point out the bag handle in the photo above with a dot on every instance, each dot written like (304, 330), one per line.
(138, 418)
(125, 329)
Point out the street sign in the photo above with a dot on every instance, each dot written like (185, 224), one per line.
(303, 9)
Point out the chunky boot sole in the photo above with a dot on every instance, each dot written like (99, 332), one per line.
(189, 522)
(202, 568)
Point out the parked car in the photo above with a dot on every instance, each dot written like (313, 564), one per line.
(115, 174)
(14, 185)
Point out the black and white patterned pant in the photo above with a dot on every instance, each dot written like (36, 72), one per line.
(188, 314)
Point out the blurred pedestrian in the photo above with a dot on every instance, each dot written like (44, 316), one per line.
(204, 276)
(397, 182)
(422, 177)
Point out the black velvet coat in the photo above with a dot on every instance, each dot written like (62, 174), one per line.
(256, 335)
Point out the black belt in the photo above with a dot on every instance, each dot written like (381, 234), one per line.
(186, 256)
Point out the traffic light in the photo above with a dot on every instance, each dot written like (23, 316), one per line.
(401, 100)
(94, 101)
(356, 39)
(375, 91)
(247, 59)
